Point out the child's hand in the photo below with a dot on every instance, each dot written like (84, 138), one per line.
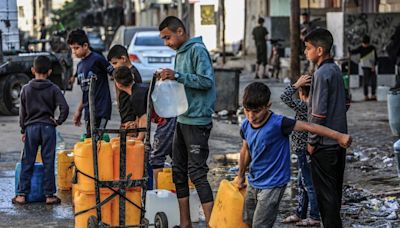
(77, 118)
(54, 121)
(23, 137)
(167, 74)
(345, 140)
(310, 149)
(302, 81)
(241, 182)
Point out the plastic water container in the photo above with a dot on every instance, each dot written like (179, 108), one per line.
(167, 202)
(382, 92)
(83, 159)
(84, 201)
(393, 101)
(169, 98)
(132, 213)
(228, 206)
(164, 180)
(134, 158)
(65, 158)
(36, 193)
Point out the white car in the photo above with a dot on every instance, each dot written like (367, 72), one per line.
(148, 53)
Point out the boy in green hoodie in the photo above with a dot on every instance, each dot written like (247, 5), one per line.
(193, 68)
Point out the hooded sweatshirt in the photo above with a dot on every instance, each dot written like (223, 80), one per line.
(193, 67)
(39, 100)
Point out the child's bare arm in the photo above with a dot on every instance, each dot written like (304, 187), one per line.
(344, 140)
(243, 164)
(142, 122)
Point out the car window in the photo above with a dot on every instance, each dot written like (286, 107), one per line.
(128, 36)
(149, 41)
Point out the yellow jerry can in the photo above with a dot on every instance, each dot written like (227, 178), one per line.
(164, 180)
(83, 202)
(132, 213)
(65, 158)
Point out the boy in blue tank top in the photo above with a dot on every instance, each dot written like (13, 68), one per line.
(266, 153)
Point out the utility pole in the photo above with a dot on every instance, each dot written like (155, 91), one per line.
(128, 20)
(186, 16)
(294, 40)
(222, 11)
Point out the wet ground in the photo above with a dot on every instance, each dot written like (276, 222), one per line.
(372, 185)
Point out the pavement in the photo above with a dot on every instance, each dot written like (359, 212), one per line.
(371, 166)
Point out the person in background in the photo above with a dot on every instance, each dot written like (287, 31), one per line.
(327, 107)
(39, 101)
(260, 36)
(368, 60)
(305, 189)
(91, 65)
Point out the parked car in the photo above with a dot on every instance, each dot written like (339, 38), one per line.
(124, 34)
(96, 42)
(148, 53)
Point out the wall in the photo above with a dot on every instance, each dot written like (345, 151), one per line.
(279, 8)
(378, 26)
(255, 9)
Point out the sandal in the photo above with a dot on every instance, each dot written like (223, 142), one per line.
(291, 219)
(50, 200)
(308, 222)
(18, 200)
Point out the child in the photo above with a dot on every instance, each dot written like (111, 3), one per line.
(368, 60)
(118, 56)
(327, 107)
(306, 193)
(275, 62)
(91, 65)
(193, 68)
(266, 152)
(137, 101)
(39, 100)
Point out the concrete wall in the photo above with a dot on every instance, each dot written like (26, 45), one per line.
(279, 8)
(255, 9)
(349, 32)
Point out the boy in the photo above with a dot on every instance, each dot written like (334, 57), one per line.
(91, 65)
(118, 56)
(305, 193)
(327, 107)
(193, 68)
(368, 60)
(266, 152)
(137, 103)
(260, 34)
(39, 100)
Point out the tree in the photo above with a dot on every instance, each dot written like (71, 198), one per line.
(70, 16)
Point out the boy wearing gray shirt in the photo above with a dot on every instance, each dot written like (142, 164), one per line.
(327, 107)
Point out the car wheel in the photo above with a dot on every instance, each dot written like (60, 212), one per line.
(10, 91)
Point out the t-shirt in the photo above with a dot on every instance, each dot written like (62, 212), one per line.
(138, 99)
(125, 109)
(259, 34)
(269, 151)
(95, 65)
(327, 102)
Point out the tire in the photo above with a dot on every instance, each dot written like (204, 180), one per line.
(10, 90)
(92, 222)
(161, 220)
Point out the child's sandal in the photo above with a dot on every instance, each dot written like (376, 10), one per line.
(17, 200)
(291, 219)
(50, 200)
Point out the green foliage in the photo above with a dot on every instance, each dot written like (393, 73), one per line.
(69, 16)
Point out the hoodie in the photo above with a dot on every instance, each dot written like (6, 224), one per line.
(193, 67)
(39, 100)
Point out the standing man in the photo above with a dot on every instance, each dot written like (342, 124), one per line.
(193, 68)
(368, 59)
(260, 34)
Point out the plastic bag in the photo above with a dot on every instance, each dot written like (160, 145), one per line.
(169, 98)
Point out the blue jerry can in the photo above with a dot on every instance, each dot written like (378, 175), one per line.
(36, 194)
